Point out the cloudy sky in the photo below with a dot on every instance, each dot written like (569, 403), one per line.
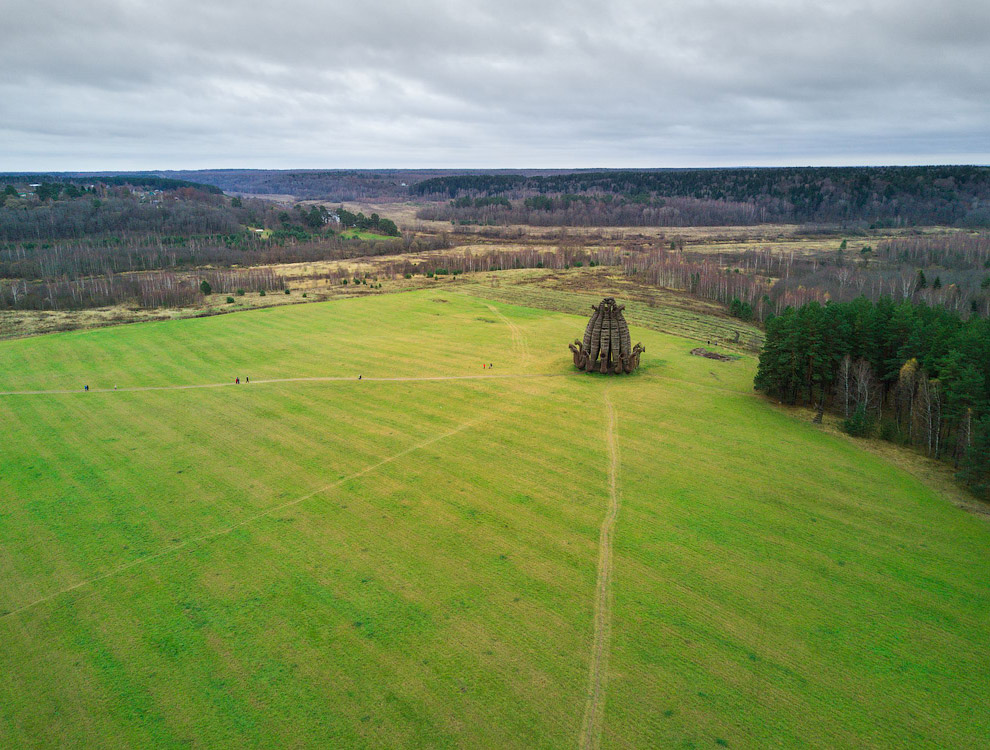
(128, 84)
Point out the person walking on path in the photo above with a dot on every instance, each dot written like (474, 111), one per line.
(237, 381)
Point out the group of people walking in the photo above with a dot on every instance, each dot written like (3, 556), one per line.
(237, 379)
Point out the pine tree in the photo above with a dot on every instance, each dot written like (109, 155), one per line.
(975, 471)
(859, 424)
(812, 343)
(775, 372)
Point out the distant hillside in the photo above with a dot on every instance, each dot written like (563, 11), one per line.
(331, 185)
(324, 184)
(881, 196)
(40, 207)
(878, 196)
(140, 180)
(884, 196)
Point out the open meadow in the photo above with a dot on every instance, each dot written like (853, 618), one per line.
(439, 554)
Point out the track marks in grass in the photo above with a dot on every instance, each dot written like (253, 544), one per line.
(594, 709)
(519, 342)
(244, 522)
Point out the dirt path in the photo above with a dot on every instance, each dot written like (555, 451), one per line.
(507, 376)
(594, 709)
(337, 379)
(518, 337)
(244, 522)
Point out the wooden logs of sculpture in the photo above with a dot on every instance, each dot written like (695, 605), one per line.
(606, 346)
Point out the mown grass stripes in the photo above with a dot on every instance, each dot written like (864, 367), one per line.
(773, 585)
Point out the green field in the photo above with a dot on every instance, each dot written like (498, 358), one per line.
(362, 234)
(383, 562)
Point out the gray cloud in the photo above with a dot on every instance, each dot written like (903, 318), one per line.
(130, 84)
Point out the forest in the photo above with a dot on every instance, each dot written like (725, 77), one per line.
(946, 270)
(140, 180)
(877, 196)
(330, 185)
(908, 372)
(71, 210)
(596, 211)
(71, 246)
(870, 196)
(93, 273)
(334, 185)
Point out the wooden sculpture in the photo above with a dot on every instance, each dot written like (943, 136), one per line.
(606, 347)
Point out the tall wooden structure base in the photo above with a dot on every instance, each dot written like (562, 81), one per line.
(606, 346)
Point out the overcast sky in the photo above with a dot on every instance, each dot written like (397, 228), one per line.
(179, 84)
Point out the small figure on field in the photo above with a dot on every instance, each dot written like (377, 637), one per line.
(237, 381)
(85, 387)
(360, 376)
(247, 380)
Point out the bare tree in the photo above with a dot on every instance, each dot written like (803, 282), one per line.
(964, 438)
(843, 384)
(928, 411)
(865, 389)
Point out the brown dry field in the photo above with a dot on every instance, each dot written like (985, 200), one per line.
(715, 238)
(307, 277)
(531, 285)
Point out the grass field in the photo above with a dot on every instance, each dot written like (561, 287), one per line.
(360, 234)
(576, 290)
(417, 563)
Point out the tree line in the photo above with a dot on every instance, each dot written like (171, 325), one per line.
(501, 260)
(68, 180)
(760, 283)
(374, 223)
(36, 261)
(57, 211)
(880, 196)
(330, 185)
(69, 246)
(911, 373)
(157, 289)
(596, 211)
(57, 214)
(82, 275)
(95, 268)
